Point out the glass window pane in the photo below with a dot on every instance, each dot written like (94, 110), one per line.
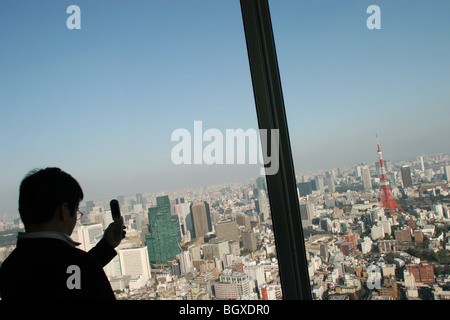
(135, 100)
(354, 76)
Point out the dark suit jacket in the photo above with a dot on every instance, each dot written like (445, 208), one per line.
(38, 269)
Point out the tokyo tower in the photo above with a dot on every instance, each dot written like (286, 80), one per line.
(387, 201)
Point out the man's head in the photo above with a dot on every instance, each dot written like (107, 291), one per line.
(49, 194)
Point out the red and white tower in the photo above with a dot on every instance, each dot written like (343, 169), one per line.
(387, 200)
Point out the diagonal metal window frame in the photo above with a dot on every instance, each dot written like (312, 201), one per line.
(282, 191)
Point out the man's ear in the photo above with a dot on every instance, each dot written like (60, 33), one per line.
(62, 211)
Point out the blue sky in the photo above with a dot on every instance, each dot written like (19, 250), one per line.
(102, 102)
(343, 83)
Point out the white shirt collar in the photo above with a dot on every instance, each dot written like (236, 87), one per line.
(49, 235)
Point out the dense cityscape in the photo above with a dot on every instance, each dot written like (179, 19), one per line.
(217, 242)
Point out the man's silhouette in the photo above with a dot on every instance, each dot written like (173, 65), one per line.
(46, 263)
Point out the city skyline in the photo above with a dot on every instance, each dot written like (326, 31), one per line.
(101, 102)
(310, 176)
(348, 235)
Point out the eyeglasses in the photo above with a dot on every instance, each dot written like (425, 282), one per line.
(80, 214)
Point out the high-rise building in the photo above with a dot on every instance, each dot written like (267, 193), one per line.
(261, 183)
(317, 183)
(358, 171)
(324, 254)
(227, 230)
(241, 280)
(176, 270)
(134, 262)
(216, 248)
(256, 273)
(406, 176)
(88, 235)
(366, 178)
(243, 220)
(447, 173)
(163, 238)
(403, 235)
(208, 215)
(195, 252)
(185, 259)
(421, 163)
(329, 182)
(306, 213)
(249, 240)
(263, 205)
(140, 199)
(184, 220)
(226, 291)
(199, 219)
(377, 232)
(305, 188)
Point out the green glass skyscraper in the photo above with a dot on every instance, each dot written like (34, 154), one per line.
(261, 183)
(164, 238)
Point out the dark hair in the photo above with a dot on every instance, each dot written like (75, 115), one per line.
(43, 190)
